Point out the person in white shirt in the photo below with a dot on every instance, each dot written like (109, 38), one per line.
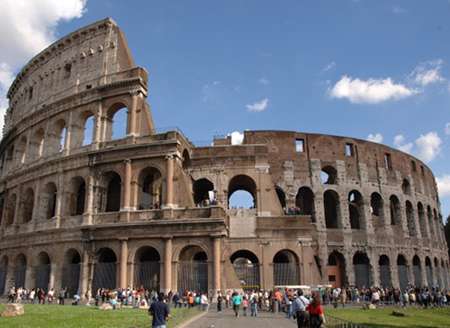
(299, 309)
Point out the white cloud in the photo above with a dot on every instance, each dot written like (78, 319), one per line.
(401, 144)
(27, 28)
(264, 81)
(258, 106)
(237, 138)
(427, 73)
(428, 146)
(329, 66)
(447, 129)
(377, 137)
(371, 91)
(443, 184)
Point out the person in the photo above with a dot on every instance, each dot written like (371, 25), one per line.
(159, 312)
(299, 309)
(204, 302)
(316, 314)
(236, 300)
(244, 306)
(219, 302)
(62, 296)
(254, 306)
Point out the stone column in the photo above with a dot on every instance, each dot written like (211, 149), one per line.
(394, 273)
(53, 272)
(84, 275)
(30, 281)
(123, 263)
(132, 114)
(36, 205)
(59, 199)
(167, 265)
(67, 139)
(169, 181)
(350, 271)
(90, 200)
(98, 126)
(17, 205)
(217, 264)
(127, 186)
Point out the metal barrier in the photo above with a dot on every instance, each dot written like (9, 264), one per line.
(71, 278)
(333, 322)
(147, 275)
(104, 276)
(2, 280)
(248, 275)
(193, 276)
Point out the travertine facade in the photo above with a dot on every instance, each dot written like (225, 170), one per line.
(84, 209)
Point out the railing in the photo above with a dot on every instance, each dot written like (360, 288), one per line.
(334, 322)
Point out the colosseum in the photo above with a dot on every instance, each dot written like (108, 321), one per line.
(94, 195)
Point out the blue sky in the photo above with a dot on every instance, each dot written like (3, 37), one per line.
(342, 67)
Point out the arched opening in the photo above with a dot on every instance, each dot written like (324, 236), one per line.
(355, 209)
(150, 188)
(113, 192)
(336, 270)
(402, 268)
(328, 175)
(28, 205)
(361, 266)
(76, 196)
(49, 200)
(406, 187)
(104, 270)
(422, 220)
(246, 267)
(3, 273)
(332, 209)
(193, 270)
(281, 198)
(444, 275)
(21, 150)
(88, 129)
(385, 271)
(186, 159)
(71, 272)
(242, 192)
(10, 209)
(437, 273)
(430, 222)
(42, 271)
(20, 269)
(394, 205)
(417, 271)
(304, 201)
(410, 219)
(376, 206)
(117, 119)
(204, 194)
(286, 269)
(61, 134)
(37, 144)
(429, 272)
(147, 268)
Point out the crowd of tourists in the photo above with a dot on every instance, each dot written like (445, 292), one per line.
(39, 296)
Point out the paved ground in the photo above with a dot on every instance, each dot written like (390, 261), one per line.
(227, 319)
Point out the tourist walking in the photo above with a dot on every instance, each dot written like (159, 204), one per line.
(316, 314)
(236, 299)
(159, 312)
(299, 309)
(219, 302)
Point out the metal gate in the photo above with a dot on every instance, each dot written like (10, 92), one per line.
(417, 276)
(3, 272)
(362, 275)
(71, 278)
(193, 276)
(248, 275)
(19, 276)
(385, 276)
(285, 274)
(43, 276)
(429, 271)
(104, 276)
(147, 274)
(403, 276)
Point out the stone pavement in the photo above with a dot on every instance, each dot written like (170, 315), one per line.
(226, 319)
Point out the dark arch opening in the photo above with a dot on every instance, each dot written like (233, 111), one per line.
(361, 265)
(355, 209)
(304, 201)
(422, 220)
(246, 267)
(113, 191)
(429, 272)
(331, 204)
(186, 160)
(50, 195)
(328, 175)
(394, 205)
(385, 271)
(410, 219)
(150, 188)
(402, 268)
(77, 196)
(105, 270)
(336, 269)
(406, 187)
(417, 271)
(28, 205)
(281, 197)
(147, 268)
(71, 272)
(376, 205)
(10, 209)
(20, 269)
(3, 273)
(203, 192)
(42, 271)
(286, 268)
(193, 269)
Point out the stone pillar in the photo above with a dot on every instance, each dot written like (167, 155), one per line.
(53, 273)
(98, 126)
(349, 269)
(132, 115)
(167, 265)
(67, 139)
(90, 200)
(17, 206)
(127, 186)
(84, 275)
(30, 281)
(123, 263)
(59, 199)
(394, 273)
(169, 181)
(36, 204)
(217, 264)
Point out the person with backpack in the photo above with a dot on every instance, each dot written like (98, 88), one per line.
(316, 313)
(299, 309)
(236, 300)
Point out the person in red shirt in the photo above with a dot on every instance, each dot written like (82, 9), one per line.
(315, 310)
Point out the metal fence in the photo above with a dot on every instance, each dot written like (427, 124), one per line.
(193, 276)
(71, 278)
(104, 276)
(147, 274)
(286, 274)
(43, 276)
(333, 322)
(2, 281)
(19, 276)
(248, 275)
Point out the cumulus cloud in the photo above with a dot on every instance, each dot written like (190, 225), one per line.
(447, 129)
(371, 91)
(28, 27)
(401, 144)
(443, 184)
(428, 146)
(264, 81)
(377, 137)
(237, 138)
(258, 106)
(428, 72)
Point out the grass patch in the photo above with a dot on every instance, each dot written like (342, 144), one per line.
(57, 316)
(381, 317)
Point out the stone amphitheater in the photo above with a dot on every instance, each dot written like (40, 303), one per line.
(93, 195)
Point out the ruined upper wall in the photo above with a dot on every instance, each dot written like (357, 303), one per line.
(79, 61)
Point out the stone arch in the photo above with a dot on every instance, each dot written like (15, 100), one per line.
(203, 190)
(410, 218)
(437, 271)
(20, 269)
(21, 150)
(88, 123)
(111, 192)
(361, 264)
(186, 160)
(246, 266)
(116, 122)
(104, 270)
(76, 196)
(417, 271)
(71, 271)
(376, 206)
(328, 175)
(3, 273)
(402, 268)
(395, 209)
(336, 269)
(385, 271)
(242, 183)
(27, 205)
(193, 269)
(430, 222)
(49, 200)
(281, 197)
(429, 272)
(37, 144)
(356, 209)
(60, 130)
(286, 268)
(332, 209)
(422, 220)
(42, 271)
(304, 201)
(10, 209)
(150, 184)
(406, 187)
(147, 263)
